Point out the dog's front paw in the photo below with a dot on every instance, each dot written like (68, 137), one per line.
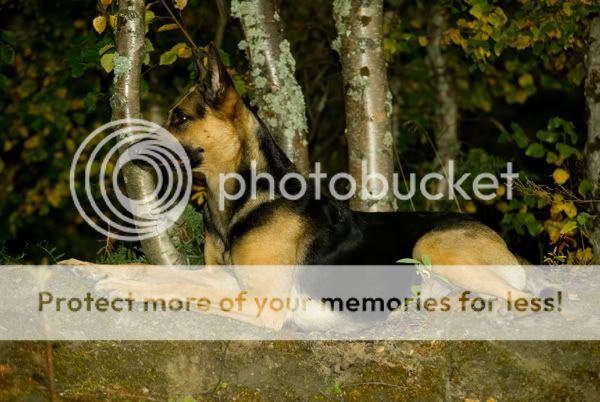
(74, 261)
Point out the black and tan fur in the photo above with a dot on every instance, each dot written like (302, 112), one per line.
(222, 135)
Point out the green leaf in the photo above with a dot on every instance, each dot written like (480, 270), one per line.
(426, 260)
(534, 228)
(9, 37)
(551, 157)
(225, 58)
(89, 102)
(149, 46)
(167, 58)
(409, 261)
(150, 16)
(535, 150)
(239, 84)
(105, 48)
(568, 127)
(565, 151)
(519, 135)
(149, 49)
(7, 54)
(583, 218)
(568, 227)
(3, 83)
(547, 136)
(585, 187)
(107, 62)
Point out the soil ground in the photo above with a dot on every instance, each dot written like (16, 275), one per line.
(284, 370)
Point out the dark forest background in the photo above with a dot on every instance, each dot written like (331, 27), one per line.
(517, 69)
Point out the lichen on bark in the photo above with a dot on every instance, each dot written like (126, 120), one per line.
(359, 25)
(276, 91)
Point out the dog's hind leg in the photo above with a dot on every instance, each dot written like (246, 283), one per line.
(455, 252)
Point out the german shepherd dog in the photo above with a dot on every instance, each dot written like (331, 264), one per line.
(222, 135)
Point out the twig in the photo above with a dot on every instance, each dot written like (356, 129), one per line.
(223, 7)
(181, 28)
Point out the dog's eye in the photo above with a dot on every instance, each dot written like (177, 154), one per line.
(178, 118)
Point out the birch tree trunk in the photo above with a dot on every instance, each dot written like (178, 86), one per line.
(277, 92)
(359, 25)
(125, 103)
(592, 148)
(446, 111)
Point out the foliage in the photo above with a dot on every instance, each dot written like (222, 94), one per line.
(500, 56)
(517, 69)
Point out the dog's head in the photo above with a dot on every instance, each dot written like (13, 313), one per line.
(211, 121)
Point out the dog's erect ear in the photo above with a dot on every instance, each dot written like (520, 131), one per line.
(201, 72)
(217, 80)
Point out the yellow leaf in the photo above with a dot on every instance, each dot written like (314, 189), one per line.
(54, 198)
(570, 209)
(522, 42)
(501, 190)
(423, 41)
(553, 230)
(180, 4)
(107, 62)
(483, 53)
(520, 96)
(470, 207)
(167, 27)
(112, 20)
(454, 36)
(555, 34)
(584, 256)
(32, 142)
(560, 176)
(568, 227)
(99, 24)
(502, 207)
(199, 194)
(79, 23)
(70, 145)
(106, 3)
(150, 16)
(182, 50)
(526, 80)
